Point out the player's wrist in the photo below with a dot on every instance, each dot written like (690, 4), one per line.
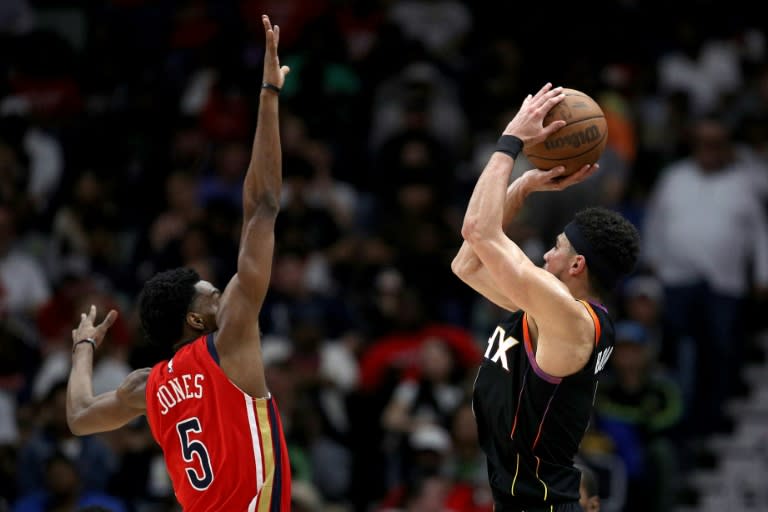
(85, 342)
(267, 86)
(510, 145)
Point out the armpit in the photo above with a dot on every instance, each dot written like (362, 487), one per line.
(132, 391)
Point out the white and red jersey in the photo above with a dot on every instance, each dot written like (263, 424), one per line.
(224, 450)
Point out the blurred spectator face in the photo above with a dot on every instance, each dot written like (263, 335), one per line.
(711, 145)
(431, 496)
(10, 171)
(194, 244)
(7, 229)
(88, 189)
(55, 412)
(632, 352)
(61, 477)
(415, 155)
(629, 356)
(436, 360)
(232, 161)
(587, 502)
(642, 299)
(181, 191)
(643, 309)
(189, 147)
(289, 273)
(464, 427)
(416, 197)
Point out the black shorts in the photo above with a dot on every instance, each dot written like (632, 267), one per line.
(562, 507)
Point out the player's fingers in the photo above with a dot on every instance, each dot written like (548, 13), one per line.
(586, 171)
(544, 89)
(543, 97)
(553, 127)
(545, 103)
(556, 172)
(285, 70)
(265, 21)
(92, 313)
(583, 173)
(108, 320)
(276, 30)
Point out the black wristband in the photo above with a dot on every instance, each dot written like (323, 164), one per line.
(509, 145)
(271, 87)
(86, 340)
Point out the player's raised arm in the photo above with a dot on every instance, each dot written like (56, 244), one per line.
(516, 277)
(238, 337)
(564, 322)
(86, 413)
(470, 269)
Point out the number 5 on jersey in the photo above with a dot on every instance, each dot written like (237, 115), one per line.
(200, 477)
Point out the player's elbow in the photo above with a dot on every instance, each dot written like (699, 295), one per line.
(474, 230)
(261, 205)
(76, 425)
(457, 266)
(462, 266)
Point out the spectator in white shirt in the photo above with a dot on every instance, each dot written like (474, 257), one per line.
(24, 287)
(706, 237)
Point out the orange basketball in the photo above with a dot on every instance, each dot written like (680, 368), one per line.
(581, 141)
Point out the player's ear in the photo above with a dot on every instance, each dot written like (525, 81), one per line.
(195, 321)
(578, 265)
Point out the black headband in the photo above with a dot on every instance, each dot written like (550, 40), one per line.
(606, 273)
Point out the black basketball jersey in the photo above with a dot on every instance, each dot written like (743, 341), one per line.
(530, 424)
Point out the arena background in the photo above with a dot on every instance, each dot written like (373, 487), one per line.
(125, 130)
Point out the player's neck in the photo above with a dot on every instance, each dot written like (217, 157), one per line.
(582, 291)
(187, 337)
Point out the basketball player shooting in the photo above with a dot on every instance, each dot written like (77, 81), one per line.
(208, 407)
(535, 387)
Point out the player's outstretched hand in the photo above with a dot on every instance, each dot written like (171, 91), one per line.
(537, 180)
(528, 123)
(87, 330)
(274, 73)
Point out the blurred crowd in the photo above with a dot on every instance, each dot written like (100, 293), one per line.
(125, 132)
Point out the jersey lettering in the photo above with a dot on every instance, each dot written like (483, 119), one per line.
(504, 344)
(179, 389)
(602, 359)
(199, 480)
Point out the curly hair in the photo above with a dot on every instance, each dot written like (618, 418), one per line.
(613, 237)
(164, 302)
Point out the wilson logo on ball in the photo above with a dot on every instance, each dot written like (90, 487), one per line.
(575, 139)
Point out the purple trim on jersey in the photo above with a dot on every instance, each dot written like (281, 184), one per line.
(532, 357)
(541, 373)
(599, 306)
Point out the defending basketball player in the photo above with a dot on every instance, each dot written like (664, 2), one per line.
(535, 387)
(208, 407)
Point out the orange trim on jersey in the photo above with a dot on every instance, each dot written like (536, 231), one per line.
(526, 334)
(517, 410)
(543, 417)
(594, 319)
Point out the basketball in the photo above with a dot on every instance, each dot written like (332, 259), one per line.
(580, 142)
